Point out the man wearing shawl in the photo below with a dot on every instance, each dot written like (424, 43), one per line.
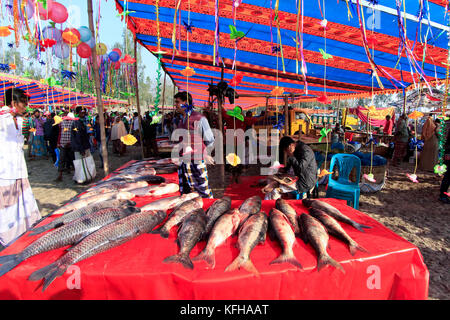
(18, 208)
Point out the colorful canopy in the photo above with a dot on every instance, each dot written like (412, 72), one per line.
(377, 117)
(42, 94)
(348, 73)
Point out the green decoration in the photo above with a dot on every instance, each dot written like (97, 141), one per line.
(156, 119)
(51, 81)
(236, 113)
(441, 168)
(234, 34)
(323, 133)
(127, 94)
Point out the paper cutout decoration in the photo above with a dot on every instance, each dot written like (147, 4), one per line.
(440, 170)
(234, 34)
(323, 133)
(127, 59)
(323, 173)
(415, 115)
(323, 99)
(236, 113)
(412, 177)
(233, 159)
(188, 72)
(128, 140)
(369, 177)
(430, 97)
(236, 80)
(277, 91)
(325, 55)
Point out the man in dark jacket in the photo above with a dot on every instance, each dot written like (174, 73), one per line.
(79, 137)
(301, 162)
(443, 197)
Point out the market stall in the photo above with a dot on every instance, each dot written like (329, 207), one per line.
(393, 268)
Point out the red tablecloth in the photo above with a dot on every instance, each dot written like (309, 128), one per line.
(135, 269)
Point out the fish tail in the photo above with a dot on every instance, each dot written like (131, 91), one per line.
(360, 227)
(9, 262)
(289, 258)
(57, 271)
(325, 259)
(354, 246)
(161, 231)
(178, 258)
(208, 256)
(245, 263)
(41, 273)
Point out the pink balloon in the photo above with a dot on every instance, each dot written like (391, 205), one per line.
(44, 14)
(58, 13)
(84, 51)
(118, 51)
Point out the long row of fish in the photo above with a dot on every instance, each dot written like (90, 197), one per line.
(251, 225)
(101, 218)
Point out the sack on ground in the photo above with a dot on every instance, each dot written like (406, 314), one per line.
(84, 169)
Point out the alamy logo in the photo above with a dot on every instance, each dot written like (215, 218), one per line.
(374, 280)
(74, 281)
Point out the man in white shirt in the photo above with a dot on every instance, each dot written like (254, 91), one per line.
(18, 208)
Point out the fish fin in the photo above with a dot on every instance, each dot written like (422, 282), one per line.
(208, 257)
(161, 231)
(325, 259)
(354, 246)
(288, 258)
(40, 230)
(178, 258)
(235, 265)
(361, 227)
(9, 262)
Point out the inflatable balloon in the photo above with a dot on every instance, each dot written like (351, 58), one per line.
(91, 42)
(58, 13)
(52, 33)
(61, 50)
(83, 50)
(113, 56)
(116, 65)
(85, 34)
(118, 51)
(71, 36)
(101, 49)
(29, 10)
(44, 14)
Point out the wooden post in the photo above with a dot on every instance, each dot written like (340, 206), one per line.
(137, 98)
(98, 92)
(404, 102)
(163, 102)
(287, 123)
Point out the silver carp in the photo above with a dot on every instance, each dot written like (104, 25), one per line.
(179, 214)
(169, 202)
(189, 234)
(313, 232)
(252, 232)
(281, 226)
(225, 226)
(110, 236)
(332, 211)
(334, 228)
(114, 187)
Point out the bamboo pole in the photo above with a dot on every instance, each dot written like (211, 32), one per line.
(98, 92)
(287, 124)
(163, 102)
(137, 98)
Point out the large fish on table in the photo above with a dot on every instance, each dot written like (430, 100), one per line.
(150, 179)
(215, 211)
(224, 227)
(282, 228)
(249, 207)
(252, 232)
(332, 211)
(64, 219)
(65, 235)
(169, 202)
(190, 232)
(179, 214)
(114, 187)
(290, 213)
(334, 228)
(80, 203)
(313, 232)
(110, 236)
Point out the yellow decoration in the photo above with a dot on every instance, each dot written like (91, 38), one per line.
(128, 140)
(57, 119)
(277, 91)
(372, 109)
(415, 115)
(233, 159)
(101, 49)
(324, 172)
(188, 72)
(32, 130)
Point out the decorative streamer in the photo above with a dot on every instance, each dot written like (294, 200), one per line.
(174, 31)
(277, 19)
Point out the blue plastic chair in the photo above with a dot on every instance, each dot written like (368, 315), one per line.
(343, 188)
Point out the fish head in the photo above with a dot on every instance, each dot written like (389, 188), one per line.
(130, 210)
(316, 212)
(160, 214)
(130, 203)
(198, 202)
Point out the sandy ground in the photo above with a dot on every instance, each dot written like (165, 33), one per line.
(411, 210)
